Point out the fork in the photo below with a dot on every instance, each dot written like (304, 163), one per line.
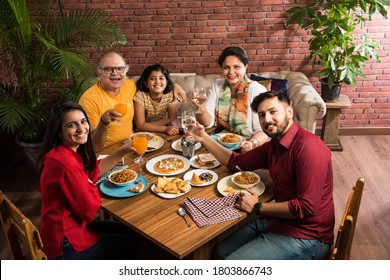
(138, 180)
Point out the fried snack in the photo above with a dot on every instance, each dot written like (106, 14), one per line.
(182, 185)
(230, 138)
(245, 178)
(196, 180)
(123, 176)
(229, 190)
(174, 186)
(137, 189)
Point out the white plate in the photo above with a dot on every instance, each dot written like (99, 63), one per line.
(176, 147)
(194, 164)
(149, 135)
(189, 174)
(150, 165)
(170, 195)
(156, 143)
(226, 182)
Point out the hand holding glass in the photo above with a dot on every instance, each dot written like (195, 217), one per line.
(188, 121)
(140, 144)
(199, 96)
(120, 107)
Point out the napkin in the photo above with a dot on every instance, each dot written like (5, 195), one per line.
(206, 212)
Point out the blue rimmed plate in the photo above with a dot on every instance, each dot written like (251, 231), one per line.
(110, 189)
(232, 148)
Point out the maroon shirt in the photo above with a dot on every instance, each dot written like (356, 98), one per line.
(301, 168)
(69, 202)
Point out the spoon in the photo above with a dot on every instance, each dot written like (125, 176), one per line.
(182, 213)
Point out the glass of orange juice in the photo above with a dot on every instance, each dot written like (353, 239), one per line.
(140, 144)
(120, 107)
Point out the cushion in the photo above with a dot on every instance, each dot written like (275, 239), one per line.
(277, 84)
(266, 83)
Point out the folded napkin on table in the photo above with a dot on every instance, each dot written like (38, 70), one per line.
(208, 212)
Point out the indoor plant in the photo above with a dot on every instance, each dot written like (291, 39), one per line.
(41, 51)
(335, 42)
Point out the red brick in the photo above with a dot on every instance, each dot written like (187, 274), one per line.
(183, 33)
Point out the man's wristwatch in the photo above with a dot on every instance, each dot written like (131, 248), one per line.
(257, 208)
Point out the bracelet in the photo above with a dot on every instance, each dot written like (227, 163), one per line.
(101, 120)
(257, 208)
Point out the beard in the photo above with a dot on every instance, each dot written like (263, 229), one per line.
(280, 128)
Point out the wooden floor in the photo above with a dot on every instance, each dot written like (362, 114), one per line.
(363, 156)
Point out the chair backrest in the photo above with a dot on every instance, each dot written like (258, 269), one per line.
(22, 236)
(343, 245)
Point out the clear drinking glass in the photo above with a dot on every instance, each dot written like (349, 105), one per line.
(188, 121)
(199, 96)
(140, 144)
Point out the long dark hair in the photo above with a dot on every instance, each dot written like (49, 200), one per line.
(141, 82)
(52, 137)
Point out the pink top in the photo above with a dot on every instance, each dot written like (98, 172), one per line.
(301, 168)
(69, 202)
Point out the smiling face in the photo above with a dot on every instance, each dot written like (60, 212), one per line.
(156, 83)
(275, 117)
(113, 80)
(233, 70)
(74, 129)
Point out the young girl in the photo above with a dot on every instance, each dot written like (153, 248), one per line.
(154, 104)
(70, 200)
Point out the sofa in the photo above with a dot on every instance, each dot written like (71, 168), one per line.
(307, 103)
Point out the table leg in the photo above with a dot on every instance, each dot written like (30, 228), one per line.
(204, 252)
(330, 129)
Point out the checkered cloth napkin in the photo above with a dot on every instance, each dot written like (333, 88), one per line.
(208, 212)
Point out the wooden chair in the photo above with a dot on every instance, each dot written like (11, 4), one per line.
(22, 236)
(342, 247)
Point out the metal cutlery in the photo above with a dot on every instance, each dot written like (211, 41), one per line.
(183, 213)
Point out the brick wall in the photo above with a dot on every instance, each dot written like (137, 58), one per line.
(188, 36)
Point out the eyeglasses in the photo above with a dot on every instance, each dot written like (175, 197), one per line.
(109, 70)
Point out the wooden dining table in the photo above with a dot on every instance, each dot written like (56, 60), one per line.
(156, 218)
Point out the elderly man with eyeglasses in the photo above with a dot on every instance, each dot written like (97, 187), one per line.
(109, 126)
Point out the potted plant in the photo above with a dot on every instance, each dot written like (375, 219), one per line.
(335, 44)
(42, 51)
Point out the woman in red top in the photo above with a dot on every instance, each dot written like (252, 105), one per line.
(70, 200)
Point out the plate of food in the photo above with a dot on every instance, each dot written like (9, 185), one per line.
(226, 187)
(155, 142)
(229, 140)
(170, 187)
(176, 145)
(149, 135)
(204, 161)
(201, 177)
(168, 165)
(134, 188)
(122, 177)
